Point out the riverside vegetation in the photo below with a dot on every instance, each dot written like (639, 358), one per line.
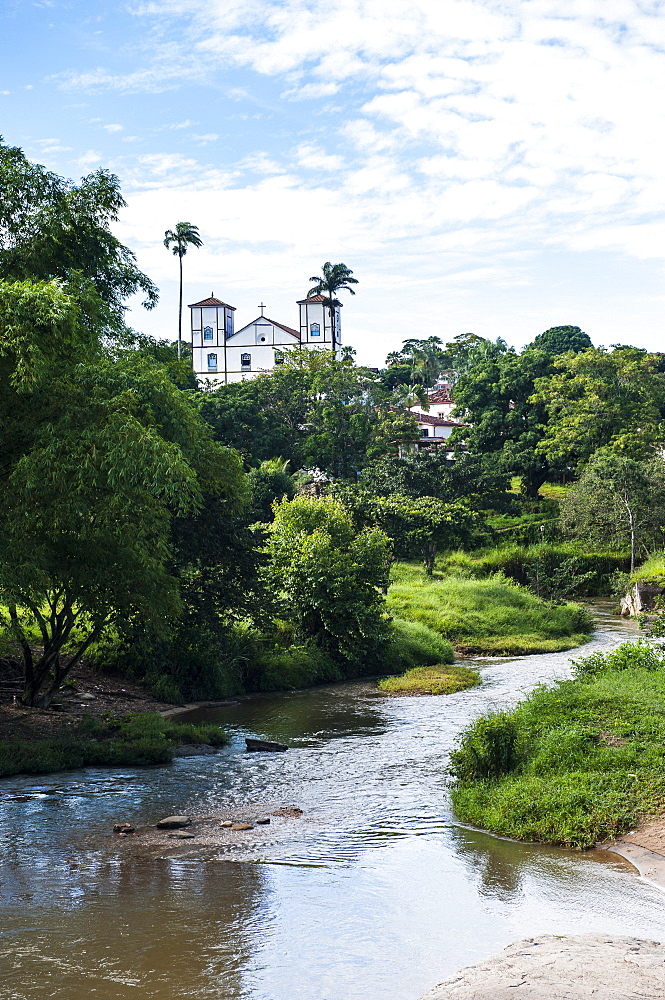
(576, 763)
(286, 530)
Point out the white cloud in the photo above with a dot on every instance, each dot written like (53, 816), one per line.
(113, 128)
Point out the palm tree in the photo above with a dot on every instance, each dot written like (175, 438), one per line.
(183, 235)
(334, 279)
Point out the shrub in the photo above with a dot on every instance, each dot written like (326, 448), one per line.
(639, 655)
(486, 750)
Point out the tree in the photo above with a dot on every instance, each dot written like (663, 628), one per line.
(600, 398)
(178, 239)
(51, 228)
(330, 574)
(561, 339)
(419, 527)
(423, 359)
(270, 483)
(468, 477)
(334, 279)
(618, 501)
(504, 418)
(113, 454)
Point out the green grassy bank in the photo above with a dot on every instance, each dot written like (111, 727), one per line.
(130, 741)
(485, 616)
(438, 679)
(574, 764)
(553, 569)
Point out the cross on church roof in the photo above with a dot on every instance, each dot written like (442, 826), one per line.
(262, 307)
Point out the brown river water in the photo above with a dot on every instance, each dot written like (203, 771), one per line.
(375, 892)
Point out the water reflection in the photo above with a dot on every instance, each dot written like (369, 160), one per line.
(374, 892)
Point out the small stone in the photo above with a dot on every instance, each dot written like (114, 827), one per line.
(86, 696)
(263, 822)
(181, 836)
(173, 822)
(226, 822)
(123, 828)
(242, 826)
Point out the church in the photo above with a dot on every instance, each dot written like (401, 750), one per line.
(222, 353)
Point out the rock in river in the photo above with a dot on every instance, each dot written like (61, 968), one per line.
(173, 822)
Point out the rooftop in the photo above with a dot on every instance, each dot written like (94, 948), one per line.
(212, 301)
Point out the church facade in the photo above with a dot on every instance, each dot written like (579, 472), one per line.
(222, 353)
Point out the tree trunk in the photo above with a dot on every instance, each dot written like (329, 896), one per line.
(180, 311)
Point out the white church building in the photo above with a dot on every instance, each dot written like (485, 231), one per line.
(223, 354)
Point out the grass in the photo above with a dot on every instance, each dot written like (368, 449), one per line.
(652, 569)
(130, 741)
(575, 570)
(490, 616)
(575, 764)
(438, 679)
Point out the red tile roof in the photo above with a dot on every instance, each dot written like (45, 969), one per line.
(440, 396)
(212, 301)
(315, 298)
(424, 418)
(266, 319)
(294, 333)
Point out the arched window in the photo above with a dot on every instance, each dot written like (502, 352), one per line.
(315, 330)
(212, 362)
(207, 333)
(246, 362)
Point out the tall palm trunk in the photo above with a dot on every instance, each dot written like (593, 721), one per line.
(180, 311)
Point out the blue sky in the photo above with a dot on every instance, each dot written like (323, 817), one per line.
(484, 166)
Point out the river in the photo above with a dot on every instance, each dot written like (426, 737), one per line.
(375, 892)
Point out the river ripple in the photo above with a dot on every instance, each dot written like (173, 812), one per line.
(375, 892)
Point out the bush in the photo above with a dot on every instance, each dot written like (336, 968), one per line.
(487, 750)
(296, 667)
(638, 655)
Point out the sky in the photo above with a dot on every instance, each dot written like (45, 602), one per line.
(493, 166)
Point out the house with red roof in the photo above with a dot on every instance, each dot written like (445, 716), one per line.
(222, 353)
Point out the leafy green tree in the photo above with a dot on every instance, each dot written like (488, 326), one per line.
(432, 473)
(270, 483)
(504, 418)
(618, 502)
(423, 359)
(51, 228)
(88, 504)
(422, 526)
(561, 339)
(419, 526)
(243, 416)
(601, 398)
(177, 240)
(334, 278)
(329, 575)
